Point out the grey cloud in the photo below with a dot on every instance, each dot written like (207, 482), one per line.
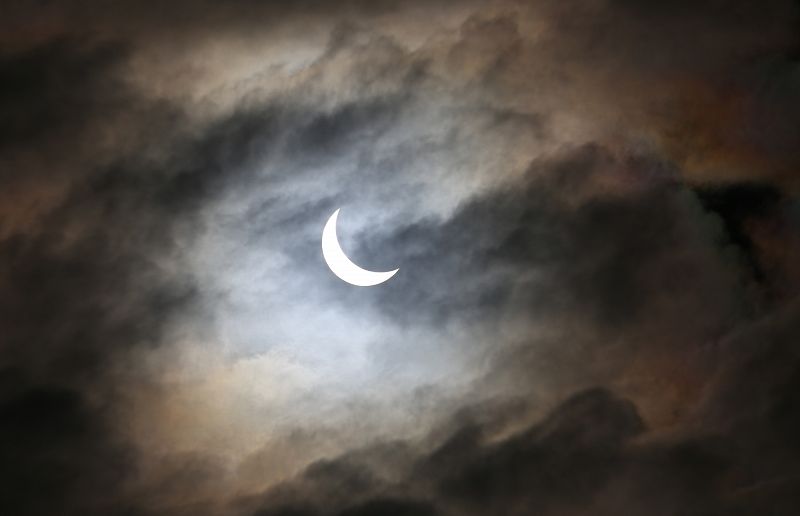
(605, 240)
(86, 290)
(593, 453)
(535, 246)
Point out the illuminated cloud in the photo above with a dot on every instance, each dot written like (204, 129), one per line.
(593, 207)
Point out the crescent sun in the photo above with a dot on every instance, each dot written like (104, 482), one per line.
(341, 265)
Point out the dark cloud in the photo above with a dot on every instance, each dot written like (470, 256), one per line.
(624, 295)
(58, 454)
(84, 288)
(546, 250)
(55, 87)
(704, 79)
(593, 453)
(87, 288)
(737, 204)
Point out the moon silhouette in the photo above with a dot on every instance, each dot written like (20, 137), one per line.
(341, 265)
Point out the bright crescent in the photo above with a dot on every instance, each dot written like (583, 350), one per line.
(341, 265)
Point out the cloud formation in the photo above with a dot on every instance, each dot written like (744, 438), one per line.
(593, 207)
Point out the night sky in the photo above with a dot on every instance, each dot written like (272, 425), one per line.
(594, 207)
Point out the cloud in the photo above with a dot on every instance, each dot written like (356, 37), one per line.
(594, 453)
(592, 208)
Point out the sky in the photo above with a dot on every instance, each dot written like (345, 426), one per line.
(594, 208)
